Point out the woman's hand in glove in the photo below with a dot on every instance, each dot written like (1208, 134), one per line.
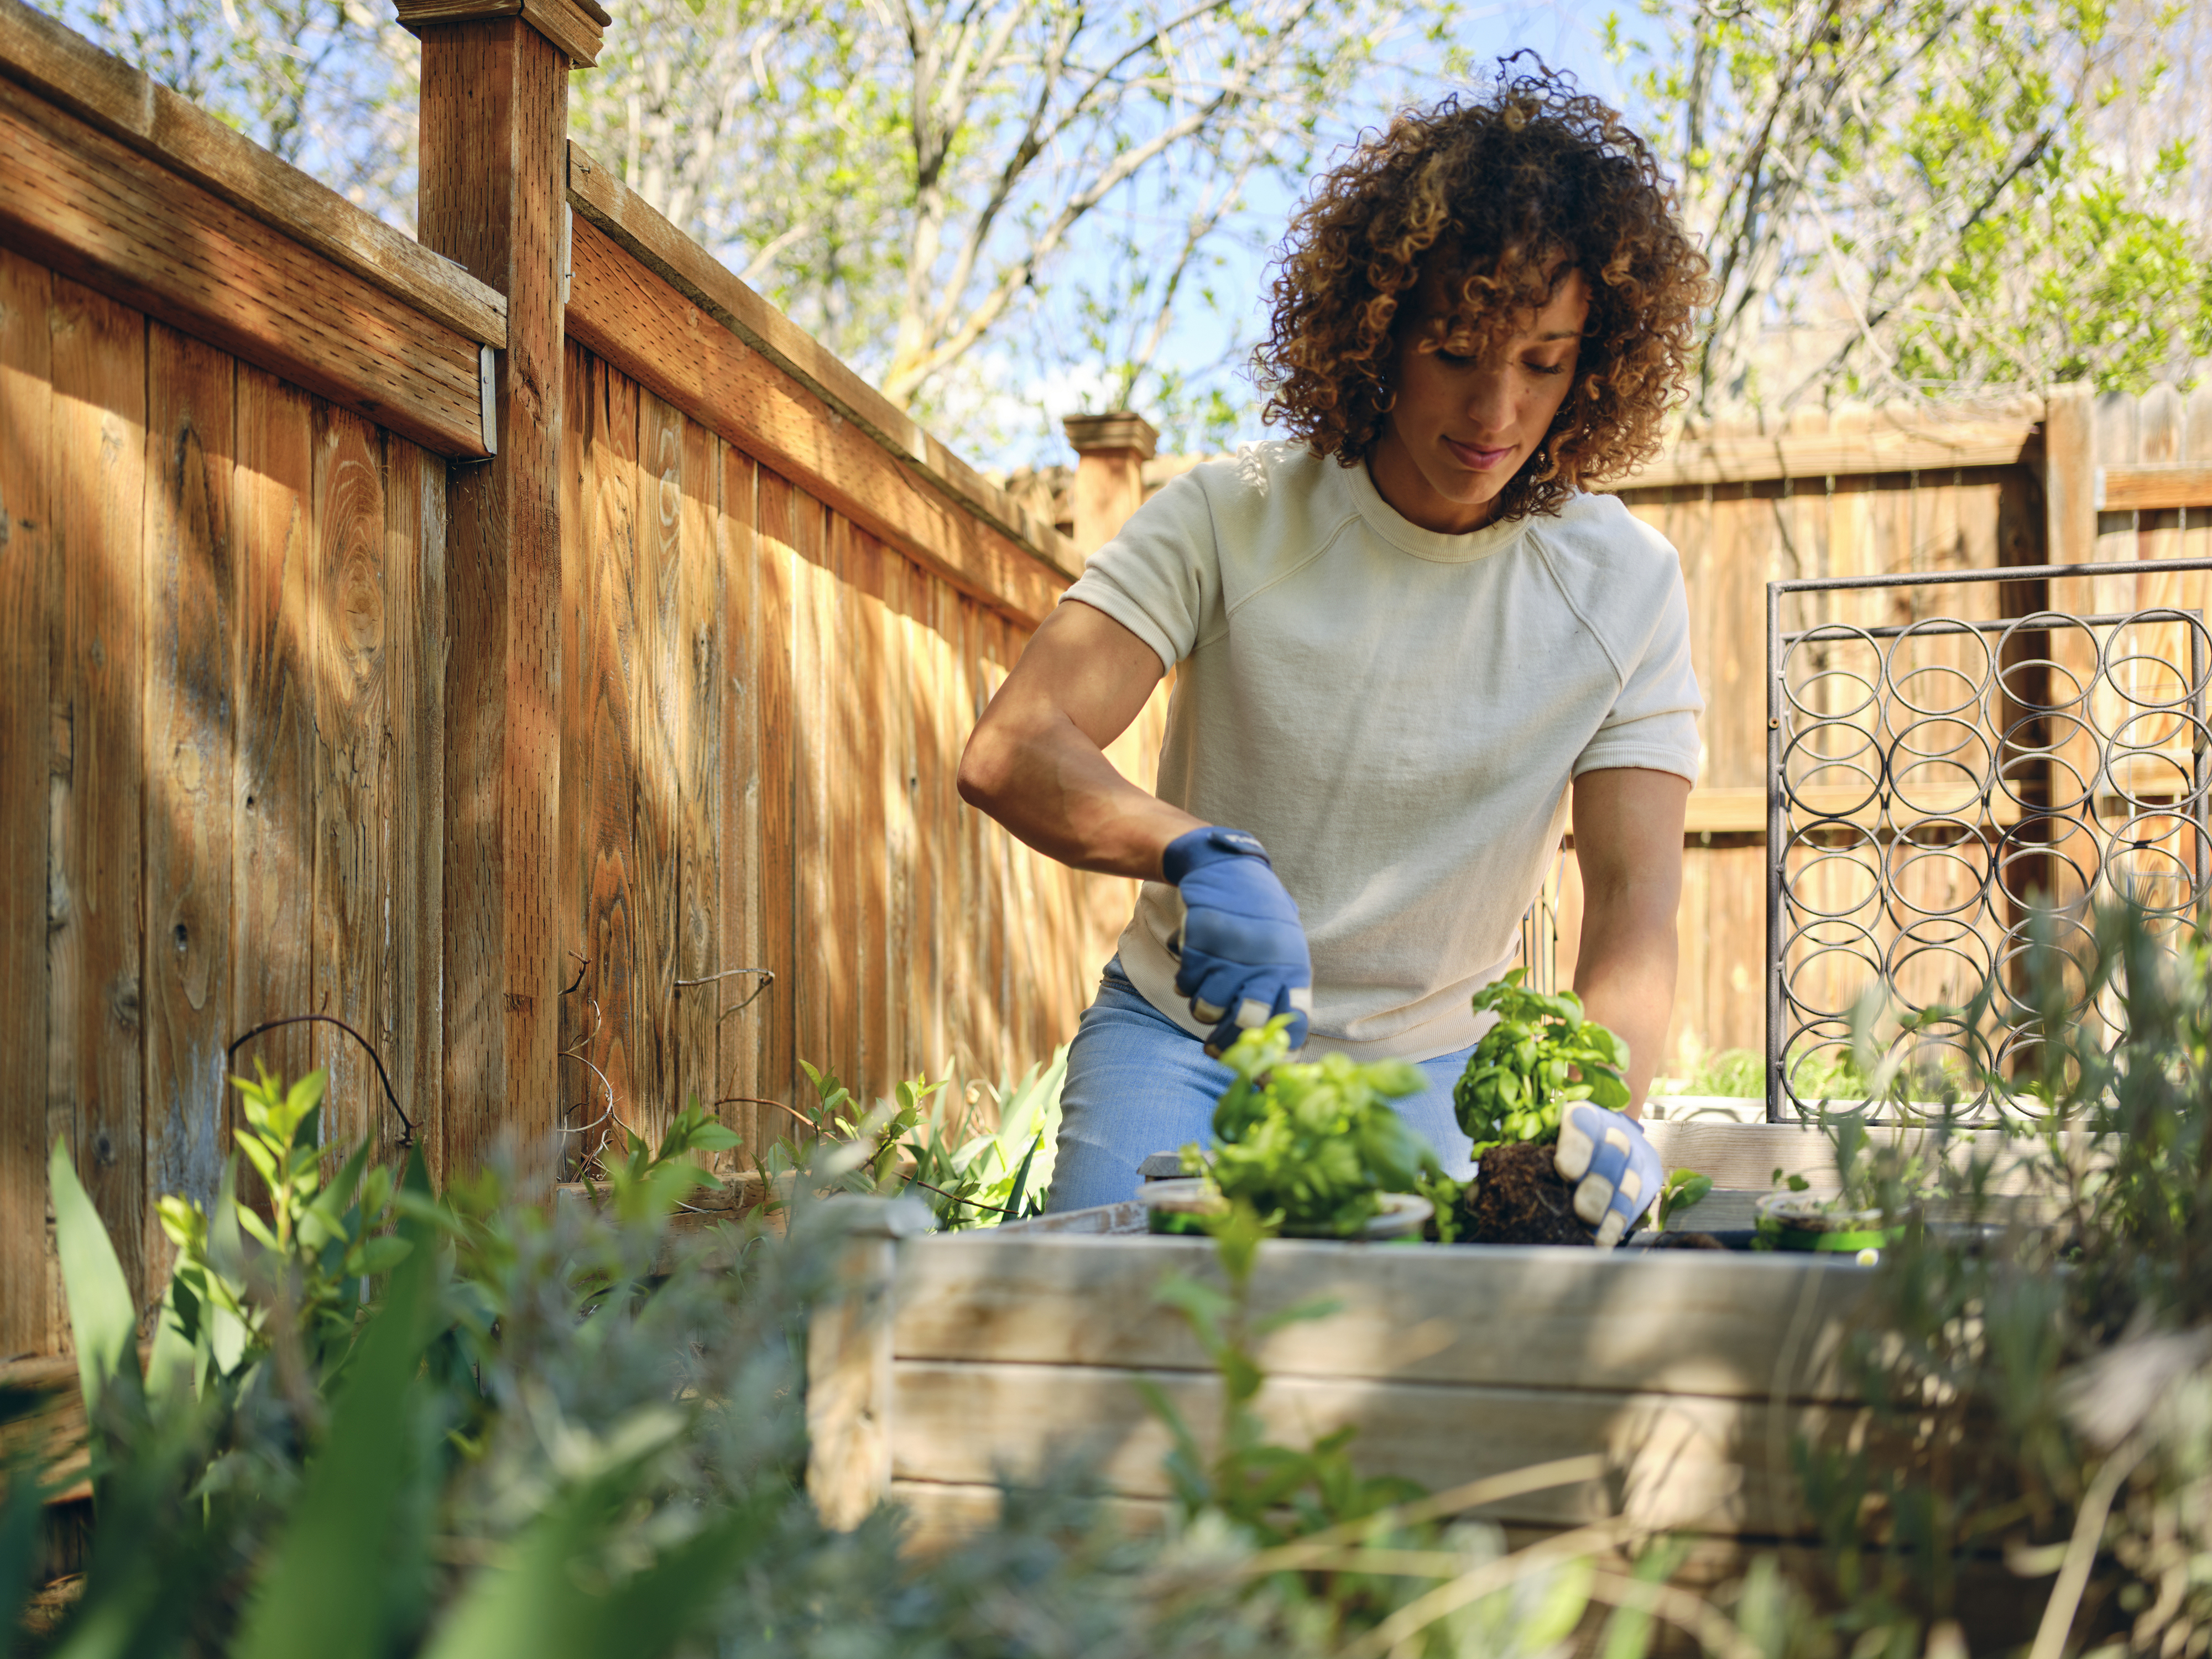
(1242, 949)
(1614, 1171)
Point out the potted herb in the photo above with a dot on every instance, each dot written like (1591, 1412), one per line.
(1313, 1149)
(1867, 1211)
(1541, 1055)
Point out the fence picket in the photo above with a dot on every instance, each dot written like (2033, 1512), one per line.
(27, 596)
(190, 546)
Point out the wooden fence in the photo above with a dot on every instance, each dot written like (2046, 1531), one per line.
(524, 644)
(1865, 493)
(507, 653)
(1860, 492)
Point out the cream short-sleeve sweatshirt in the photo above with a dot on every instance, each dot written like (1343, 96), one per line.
(1396, 714)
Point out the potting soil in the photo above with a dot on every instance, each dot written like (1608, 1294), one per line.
(1518, 1198)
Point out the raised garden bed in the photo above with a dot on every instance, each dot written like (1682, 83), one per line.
(1683, 1376)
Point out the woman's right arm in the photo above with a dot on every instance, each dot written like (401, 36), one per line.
(1036, 760)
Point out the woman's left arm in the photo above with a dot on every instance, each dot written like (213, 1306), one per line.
(1628, 841)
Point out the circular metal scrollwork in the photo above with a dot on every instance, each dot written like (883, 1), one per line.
(1953, 791)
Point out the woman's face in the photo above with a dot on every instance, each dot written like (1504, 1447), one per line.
(1465, 417)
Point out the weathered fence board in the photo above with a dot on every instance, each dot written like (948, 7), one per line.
(95, 1079)
(272, 886)
(229, 651)
(190, 547)
(27, 720)
(87, 205)
(186, 140)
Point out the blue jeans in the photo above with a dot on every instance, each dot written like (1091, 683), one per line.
(1139, 1084)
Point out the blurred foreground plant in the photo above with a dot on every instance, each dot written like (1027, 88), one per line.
(2040, 1366)
(542, 1431)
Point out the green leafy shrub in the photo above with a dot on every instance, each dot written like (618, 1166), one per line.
(554, 1431)
(925, 1143)
(545, 1431)
(1310, 1147)
(1541, 1054)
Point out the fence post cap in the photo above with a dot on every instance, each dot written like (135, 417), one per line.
(576, 27)
(1116, 429)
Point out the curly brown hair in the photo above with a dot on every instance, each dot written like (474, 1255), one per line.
(1509, 193)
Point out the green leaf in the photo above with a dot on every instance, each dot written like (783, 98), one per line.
(324, 1590)
(1608, 1091)
(103, 1318)
(1684, 1189)
(379, 1256)
(169, 1367)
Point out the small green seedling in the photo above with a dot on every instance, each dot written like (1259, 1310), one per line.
(1684, 1189)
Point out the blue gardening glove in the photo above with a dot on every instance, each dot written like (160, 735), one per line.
(1613, 1169)
(1242, 951)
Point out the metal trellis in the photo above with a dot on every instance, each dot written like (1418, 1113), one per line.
(1940, 789)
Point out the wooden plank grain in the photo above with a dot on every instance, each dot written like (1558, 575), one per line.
(2149, 487)
(775, 725)
(28, 582)
(273, 814)
(700, 761)
(1676, 1460)
(1841, 451)
(414, 785)
(1712, 1323)
(100, 212)
(822, 977)
(170, 128)
(849, 849)
(494, 121)
(610, 918)
(910, 994)
(870, 745)
(578, 577)
(95, 1077)
(191, 590)
(351, 883)
(735, 1011)
(936, 826)
(655, 832)
(849, 1387)
(626, 314)
(575, 28)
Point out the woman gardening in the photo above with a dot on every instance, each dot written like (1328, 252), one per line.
(1411, 648)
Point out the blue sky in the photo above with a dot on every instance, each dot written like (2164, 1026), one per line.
(1567, 34)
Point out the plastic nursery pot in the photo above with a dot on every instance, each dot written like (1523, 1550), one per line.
(1804, 1221)
(1186, 1206)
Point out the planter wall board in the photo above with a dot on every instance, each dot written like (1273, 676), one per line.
(1688, 1372)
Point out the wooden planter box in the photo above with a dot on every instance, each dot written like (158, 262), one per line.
(969, 1358)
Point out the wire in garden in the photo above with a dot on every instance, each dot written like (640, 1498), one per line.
(575, 1051)
(406, 1126)
(767, 979)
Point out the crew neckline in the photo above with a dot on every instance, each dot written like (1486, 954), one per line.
(1434, 545)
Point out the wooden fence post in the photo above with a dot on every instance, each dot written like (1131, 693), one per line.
(1110, 452)
(493, 198)
(2069, 473)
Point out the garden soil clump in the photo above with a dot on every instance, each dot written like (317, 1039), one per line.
(1518, 1199)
